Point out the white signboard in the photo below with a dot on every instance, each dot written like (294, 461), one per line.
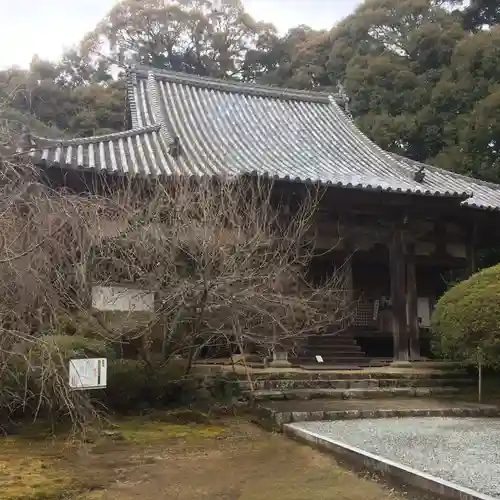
(88, 373)
(116, 298)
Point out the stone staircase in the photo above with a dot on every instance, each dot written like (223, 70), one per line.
(354, 393)
(339, 349)
(277, 399)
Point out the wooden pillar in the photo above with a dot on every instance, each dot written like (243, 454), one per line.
(349, 283)
(412, 304)
(397, 266)
(346, 236)
(471, 252)
(349, 306)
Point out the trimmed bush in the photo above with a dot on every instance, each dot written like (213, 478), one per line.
(466, 321)
(126, 385)
(133, 385)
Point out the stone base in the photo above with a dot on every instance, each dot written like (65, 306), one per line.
(280, 360)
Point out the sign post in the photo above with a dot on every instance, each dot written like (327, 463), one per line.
(85, 374)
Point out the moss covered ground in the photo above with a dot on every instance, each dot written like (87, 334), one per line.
(156, 457)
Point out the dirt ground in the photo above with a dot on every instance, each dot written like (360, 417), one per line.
(227, 460)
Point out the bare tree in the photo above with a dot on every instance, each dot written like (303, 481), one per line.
(227, 261)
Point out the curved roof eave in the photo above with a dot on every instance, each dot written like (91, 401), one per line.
(142, 151)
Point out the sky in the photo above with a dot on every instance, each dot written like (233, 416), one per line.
(46, 27)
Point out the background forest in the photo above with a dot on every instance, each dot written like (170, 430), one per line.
(423, 76)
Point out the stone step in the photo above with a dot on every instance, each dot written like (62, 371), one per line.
(367, 383)
(355, 349)
(280, 385)
(331, 345)
(383, 374)
(331, 341)
(427, 382)
(332, 349)
(273, 414)
(363, 393)
(337, 364)
(334, 359)
(313, 365)
(323, 340)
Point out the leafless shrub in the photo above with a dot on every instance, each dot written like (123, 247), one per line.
(38, 263)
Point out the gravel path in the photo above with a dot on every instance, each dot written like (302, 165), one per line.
(463, 451)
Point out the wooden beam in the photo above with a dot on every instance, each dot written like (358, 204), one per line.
(397, 266)
(412, 304)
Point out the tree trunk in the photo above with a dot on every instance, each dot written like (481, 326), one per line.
(195, 331)
(169, 333)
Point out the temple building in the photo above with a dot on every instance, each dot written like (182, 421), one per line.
(402, 226)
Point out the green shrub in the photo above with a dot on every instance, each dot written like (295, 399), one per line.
(224, 388)
(126, 384)
(133, 385)
(466, 321)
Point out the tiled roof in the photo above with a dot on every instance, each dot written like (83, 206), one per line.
(141, 151)
(227, 128)
(485, 195)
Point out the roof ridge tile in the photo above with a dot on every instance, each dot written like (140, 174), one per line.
(131, 86)
(239, 87)
(156, 106)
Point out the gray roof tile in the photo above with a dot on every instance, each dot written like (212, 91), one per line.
(228, 128)
(485, 195)
(142, 151)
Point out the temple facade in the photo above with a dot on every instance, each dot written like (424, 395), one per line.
(400, 228)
